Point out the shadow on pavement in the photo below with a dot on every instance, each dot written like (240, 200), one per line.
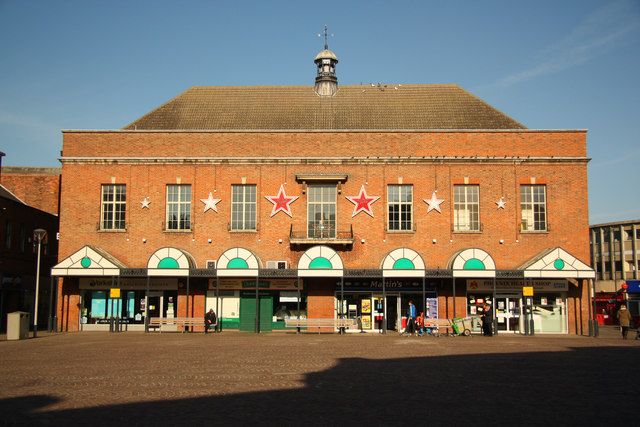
(585, 386)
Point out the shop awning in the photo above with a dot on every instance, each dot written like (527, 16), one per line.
(88, 261)
(170, 262)
(403, 262)
(557, 263)
(473, 263)
(320, 261)
(237, 262)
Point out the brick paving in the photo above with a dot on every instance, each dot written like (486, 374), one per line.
(310, 379)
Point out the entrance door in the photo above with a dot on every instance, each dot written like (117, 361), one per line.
(392, 312)
(154, 306)
(248, 312)
(508, 310)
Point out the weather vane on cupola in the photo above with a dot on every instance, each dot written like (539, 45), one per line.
(326, 80)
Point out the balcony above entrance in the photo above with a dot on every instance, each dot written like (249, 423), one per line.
(318, 235)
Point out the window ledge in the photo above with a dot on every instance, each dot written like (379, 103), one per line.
(467, 232)
(114, 230)
(534, 231)
(243, 231)
(178, 231)
(400, 231)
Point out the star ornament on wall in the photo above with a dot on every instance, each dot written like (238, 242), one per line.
(501, 203)
(210, 203)
(362, 202)
(145, 203)
(434, 203)
(281, 202)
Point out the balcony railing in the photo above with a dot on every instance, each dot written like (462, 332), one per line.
(325, 236)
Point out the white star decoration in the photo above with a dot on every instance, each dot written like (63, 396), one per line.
(362, 202)
(501, 203)
(210, 203)
(434, 203)
(145, 203)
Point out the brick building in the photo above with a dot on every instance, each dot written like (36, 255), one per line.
(28, 201)
(324, 201)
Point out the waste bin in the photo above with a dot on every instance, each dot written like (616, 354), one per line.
(18, 325)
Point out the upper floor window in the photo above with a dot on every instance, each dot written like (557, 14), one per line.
(23, 238)
(114, 206)
(243, 207)
(400, 207)
(178, 207)
(8, 235)
(466, 208)
(533, 207)
(321, 211)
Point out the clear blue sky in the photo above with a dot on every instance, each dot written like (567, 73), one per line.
(83, 64)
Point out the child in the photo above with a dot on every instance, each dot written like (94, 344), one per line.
(420, 323)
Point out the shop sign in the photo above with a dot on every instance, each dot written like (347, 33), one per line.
(129, 284)
(391, 285)
(527, 291)
(515, 286)
(114, 293)
(235, 284)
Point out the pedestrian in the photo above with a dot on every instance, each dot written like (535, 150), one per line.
(487, 321)
(209, 319)
(411, 318)
(624, 318)
(420, 323)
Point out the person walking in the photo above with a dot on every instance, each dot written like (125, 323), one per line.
(624, 318)
(209, 319)
(411, 318)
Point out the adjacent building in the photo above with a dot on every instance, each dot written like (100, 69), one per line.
(324, 201)
(28, 201)
(614, 258)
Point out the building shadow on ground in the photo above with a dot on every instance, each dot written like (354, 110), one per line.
(583, 386)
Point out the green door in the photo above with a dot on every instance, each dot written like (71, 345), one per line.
(248, 312)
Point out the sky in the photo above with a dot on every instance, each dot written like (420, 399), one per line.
(89, 64)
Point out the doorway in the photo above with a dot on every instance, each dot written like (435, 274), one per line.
(392, 312)
(248, 312)
(508, 310)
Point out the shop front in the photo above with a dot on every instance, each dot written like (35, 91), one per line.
(237, 301)
(373, 303)
(98, 302)
(549, 303)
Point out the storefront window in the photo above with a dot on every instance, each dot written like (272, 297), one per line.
(549, 314)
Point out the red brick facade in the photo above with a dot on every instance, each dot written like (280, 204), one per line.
(37, 187)
(498, 161)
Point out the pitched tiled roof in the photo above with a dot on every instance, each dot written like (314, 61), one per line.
(5, 193)
(363, 107)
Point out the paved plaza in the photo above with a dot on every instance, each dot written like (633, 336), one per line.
(287, 379)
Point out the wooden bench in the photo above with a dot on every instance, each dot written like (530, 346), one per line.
(320, 323)
(184, 322)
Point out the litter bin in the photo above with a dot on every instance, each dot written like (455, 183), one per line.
(18, 325)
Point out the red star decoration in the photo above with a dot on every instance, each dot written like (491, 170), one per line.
(362, 202)
(281, 202)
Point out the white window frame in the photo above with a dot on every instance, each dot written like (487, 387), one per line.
(243, 206)
(115, 204)
(399, 204)
(528, 204)
(331, 233)
(184, 207)
(466, 213)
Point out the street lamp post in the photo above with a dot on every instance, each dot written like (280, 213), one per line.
(38, 235)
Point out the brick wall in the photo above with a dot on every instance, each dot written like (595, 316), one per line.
(37, 187)
(565, 180)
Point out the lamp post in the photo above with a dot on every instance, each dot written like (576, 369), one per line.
(38, 236)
